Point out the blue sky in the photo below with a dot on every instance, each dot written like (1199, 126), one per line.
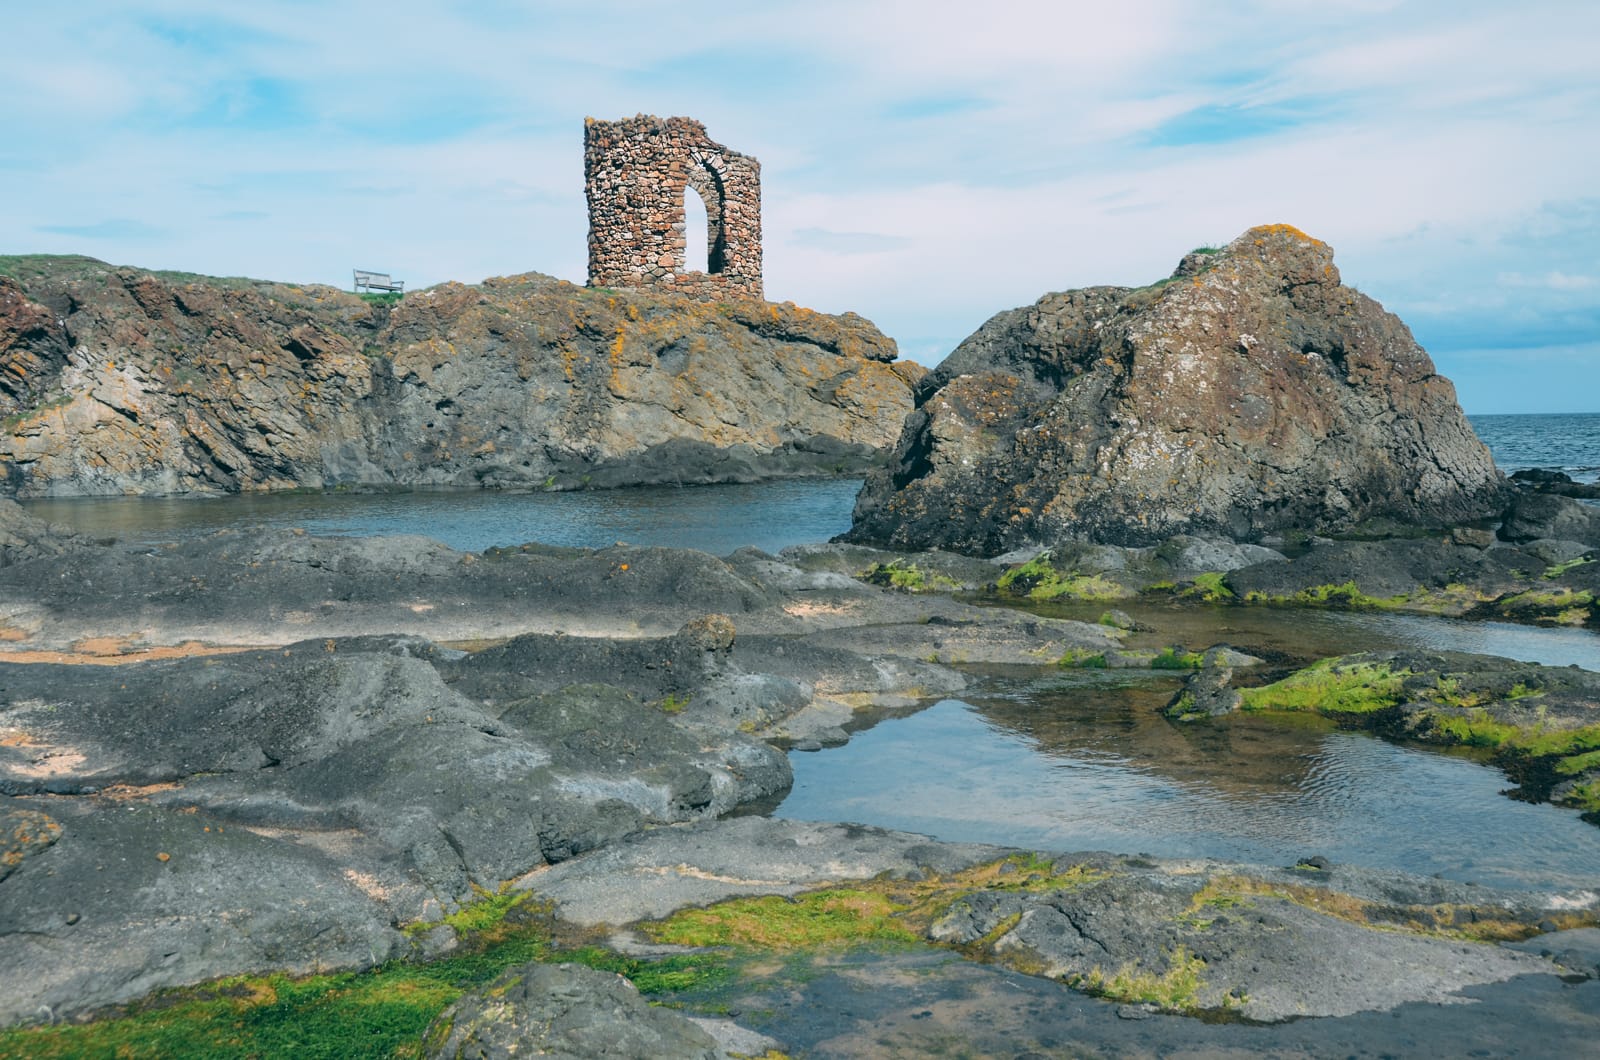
(926, 164)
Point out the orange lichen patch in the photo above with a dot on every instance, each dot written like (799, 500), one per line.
(78, 655)
(25, 831)
(129, 792)
(102, 646)
(11, 633)
(1283, 230)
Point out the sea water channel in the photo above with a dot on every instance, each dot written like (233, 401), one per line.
(1059, 761)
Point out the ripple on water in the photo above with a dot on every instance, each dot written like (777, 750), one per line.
(1086, 773)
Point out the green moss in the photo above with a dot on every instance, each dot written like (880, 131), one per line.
(1329, 687)
(1209, 588)
(1476, 728)
(378, 1013)
(1561, 568)
(1173, 659)
(818, 918)
(1038, 580)
(1580, 763)
(1082, 659)
(907, 577)
(1546, 600)
(381, 297)
(1348, 594)
(675, 702)
(1177, 989)
(1584, 796)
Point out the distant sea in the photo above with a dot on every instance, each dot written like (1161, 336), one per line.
(1567, 442)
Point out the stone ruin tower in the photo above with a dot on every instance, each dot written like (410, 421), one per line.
(635, 174)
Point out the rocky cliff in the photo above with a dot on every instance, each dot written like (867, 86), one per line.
(1250, 392)
(116, 380)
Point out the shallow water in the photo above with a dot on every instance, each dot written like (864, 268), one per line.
(1304, 634)
(1084, 761)
(714, 519)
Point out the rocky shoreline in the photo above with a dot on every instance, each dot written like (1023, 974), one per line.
(321, 777)
(264, 792)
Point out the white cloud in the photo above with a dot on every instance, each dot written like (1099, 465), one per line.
(926, 164)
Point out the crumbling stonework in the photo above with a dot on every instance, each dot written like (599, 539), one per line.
(636, 172)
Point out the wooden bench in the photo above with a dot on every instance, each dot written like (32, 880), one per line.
(377, 281)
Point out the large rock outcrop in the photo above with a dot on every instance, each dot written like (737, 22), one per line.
(1250, 392)
(120, 381)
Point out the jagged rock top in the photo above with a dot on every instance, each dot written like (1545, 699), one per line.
(121, 381)
(1250, 392)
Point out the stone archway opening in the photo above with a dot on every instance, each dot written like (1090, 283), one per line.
(697, 233)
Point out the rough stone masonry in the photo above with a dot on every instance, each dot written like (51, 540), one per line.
(636, 173)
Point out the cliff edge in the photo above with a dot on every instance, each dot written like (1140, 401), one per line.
(117, 380)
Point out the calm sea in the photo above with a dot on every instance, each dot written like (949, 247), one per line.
(715, 519)
(1567, 442)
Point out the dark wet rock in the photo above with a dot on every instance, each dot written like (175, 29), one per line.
(1208, 693)
(1438, 574)
(1255, 395)
(1119, 619)
(1538, 515)
(1557, 482)
(1577, 950)
(566, 1011)
(122, 381)
(24, 538)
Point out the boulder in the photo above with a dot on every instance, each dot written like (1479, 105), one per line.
(1249, 393)
(1535, 516)
(564, 1011)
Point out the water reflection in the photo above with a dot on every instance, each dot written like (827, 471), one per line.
(715, 519)
(1304, 633)
(1092, 766)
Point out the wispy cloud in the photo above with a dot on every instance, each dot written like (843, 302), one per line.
(925, 163)
(117, 228)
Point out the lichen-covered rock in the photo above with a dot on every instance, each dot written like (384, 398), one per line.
(566, 1011)
(1251, 392)
(117, 381)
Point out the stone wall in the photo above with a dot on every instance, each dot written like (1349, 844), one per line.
(636, 172)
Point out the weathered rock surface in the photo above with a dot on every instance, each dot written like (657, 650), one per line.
(179, 820)
(1251, 392)
(565, 1011)
(120, 381)
(1268, 943)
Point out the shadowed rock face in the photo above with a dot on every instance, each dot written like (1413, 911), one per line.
(115, 381)
(1250, 392)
